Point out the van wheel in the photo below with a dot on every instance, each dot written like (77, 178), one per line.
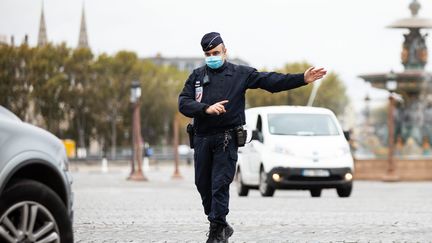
(315, 192)
(32, 212)
(265, 189)
(344, 191)
(242, 189)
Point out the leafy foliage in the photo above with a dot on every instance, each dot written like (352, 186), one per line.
(77, 95)
(331, 93)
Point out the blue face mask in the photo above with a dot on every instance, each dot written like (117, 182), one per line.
(214, 62)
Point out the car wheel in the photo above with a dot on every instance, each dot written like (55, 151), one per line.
(315, 192)
(242, 189)
(32, 212)
(265, 189)
(344, 191)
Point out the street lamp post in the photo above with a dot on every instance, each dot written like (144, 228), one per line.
(132, 143)
(176, 174)
(391, 86)
(315, 87)
(136, 173)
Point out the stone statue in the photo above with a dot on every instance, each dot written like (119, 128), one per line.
(414, 51)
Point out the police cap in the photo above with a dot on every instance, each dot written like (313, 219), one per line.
(210, 41)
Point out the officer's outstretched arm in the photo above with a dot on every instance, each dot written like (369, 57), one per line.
(274, 82)
(188, 106)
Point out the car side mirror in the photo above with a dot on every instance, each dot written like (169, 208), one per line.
(347, 135)
(257, 135)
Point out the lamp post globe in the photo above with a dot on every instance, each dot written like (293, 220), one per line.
(135, 89)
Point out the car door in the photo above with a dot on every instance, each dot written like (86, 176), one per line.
(256, 147)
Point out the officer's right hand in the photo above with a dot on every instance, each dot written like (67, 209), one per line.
(217, 108)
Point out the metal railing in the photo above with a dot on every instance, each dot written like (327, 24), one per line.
(159, 153)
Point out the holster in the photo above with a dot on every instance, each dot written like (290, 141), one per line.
(190, 131)
(241, 135)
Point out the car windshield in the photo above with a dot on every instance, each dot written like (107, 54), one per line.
(302, 124)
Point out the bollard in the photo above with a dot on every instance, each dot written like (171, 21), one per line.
(146, 164)
(156, 164)
(104, 167)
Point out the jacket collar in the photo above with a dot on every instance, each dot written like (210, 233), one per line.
(227, 68)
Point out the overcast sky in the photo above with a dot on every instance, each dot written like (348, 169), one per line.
(345, 36)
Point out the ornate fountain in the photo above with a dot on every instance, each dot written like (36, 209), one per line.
(412, 129)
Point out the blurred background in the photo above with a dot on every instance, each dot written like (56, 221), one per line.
(69, 67)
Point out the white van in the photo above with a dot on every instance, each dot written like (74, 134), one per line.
(294, 147)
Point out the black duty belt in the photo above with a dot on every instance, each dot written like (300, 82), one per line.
(216, 132)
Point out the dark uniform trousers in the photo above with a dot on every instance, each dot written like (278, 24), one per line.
(214, 171)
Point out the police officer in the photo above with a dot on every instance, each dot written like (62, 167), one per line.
(214, 96)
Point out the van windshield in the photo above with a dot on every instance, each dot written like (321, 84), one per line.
(302, 124)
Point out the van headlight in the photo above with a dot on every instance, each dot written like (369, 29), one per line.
(276, 177)
(282, 150)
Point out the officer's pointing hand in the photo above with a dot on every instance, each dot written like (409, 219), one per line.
(217, 108)
(312, 74)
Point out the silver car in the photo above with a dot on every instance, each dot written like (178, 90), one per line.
(35, 184)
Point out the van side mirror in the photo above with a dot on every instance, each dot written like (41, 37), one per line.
(347, 135)
(257, 135)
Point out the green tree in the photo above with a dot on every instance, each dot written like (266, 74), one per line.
(161, 86)
(75, 95)
(15, 84)
(297, 96)
(79, 73)
(113, 77)
(331, 93)
(49, 84)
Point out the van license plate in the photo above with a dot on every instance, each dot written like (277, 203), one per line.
(316, 173)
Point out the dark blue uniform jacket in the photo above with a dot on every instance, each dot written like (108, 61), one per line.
(228, 82)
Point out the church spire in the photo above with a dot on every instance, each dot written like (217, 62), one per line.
(83, 39)
(42, 38)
